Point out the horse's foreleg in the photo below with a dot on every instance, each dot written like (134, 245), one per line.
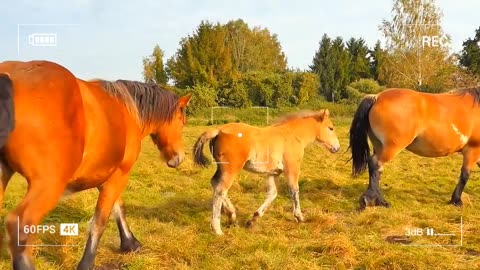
(128, 242)
(109, 193)
(271, 195)
(470, 158)
(41, 197)
(292, 175)
(6, 173)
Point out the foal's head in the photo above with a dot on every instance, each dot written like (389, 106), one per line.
(168, 136)
(324, 131)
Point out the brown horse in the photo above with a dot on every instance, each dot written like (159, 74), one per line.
(429, 125)
(269, 151)
(71, 135)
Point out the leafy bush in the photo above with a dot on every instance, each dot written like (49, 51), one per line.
(234, 95)
(353, 96)
(202, 97)
(367, 86)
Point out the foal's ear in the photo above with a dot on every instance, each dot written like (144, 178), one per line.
(183, 101)
(324, 114)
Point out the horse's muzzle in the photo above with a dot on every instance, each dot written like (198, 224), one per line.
(176, 161)
(334, 149)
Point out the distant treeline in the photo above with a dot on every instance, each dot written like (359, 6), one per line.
(236, 65)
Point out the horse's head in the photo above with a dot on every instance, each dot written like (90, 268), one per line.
(325, 133)
(169, 135)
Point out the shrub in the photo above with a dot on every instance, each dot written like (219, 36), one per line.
(202, 97)
(367, 86)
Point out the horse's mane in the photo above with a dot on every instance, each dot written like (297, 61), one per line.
(296, 115)
(151, 103)
(473, 91)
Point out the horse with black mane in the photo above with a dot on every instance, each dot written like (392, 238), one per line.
(429, 125)
(66, 135)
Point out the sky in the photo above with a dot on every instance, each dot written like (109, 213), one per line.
(108, 39)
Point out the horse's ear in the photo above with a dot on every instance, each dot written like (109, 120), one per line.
(323, 115)
(184, 100)
(326, 113)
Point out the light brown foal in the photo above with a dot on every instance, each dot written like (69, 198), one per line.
(269, 151)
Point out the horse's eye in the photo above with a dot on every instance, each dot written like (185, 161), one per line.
(331, 128)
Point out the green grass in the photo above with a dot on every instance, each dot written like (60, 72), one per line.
(169, 212)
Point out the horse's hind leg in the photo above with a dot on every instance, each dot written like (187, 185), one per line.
(271, 195)
(373, 196)
(109, 193)
(221, 182)
(42, 196)
(229, 208)
(470, 158)
(128, 242)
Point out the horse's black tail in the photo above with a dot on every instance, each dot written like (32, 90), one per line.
(359, 135)
(198, 156)
(7, 113)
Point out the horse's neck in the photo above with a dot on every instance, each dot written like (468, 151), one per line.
(302, 129)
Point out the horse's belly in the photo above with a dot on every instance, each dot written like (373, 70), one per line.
(264, 165)
(433, 147)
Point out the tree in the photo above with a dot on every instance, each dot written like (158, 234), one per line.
(153, 68)
(412, 60)
(216, 55)
(331, 63)
(203, 58)
(360, 60)
(377, 67)
(254, 49)
(470, 54)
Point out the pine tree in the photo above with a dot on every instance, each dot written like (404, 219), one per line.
(470, 55)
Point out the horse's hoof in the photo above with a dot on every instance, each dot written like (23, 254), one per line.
(456, 202)
(131, 246)
(367, 201)
(299, 219)
(249, 224)
(383, 203)
(22, 263)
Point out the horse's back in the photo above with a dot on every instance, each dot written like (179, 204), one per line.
(426, 124)
(49, 119)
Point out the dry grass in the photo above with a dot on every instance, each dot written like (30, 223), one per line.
(169, 211)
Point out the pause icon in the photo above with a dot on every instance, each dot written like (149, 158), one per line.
(430, 231)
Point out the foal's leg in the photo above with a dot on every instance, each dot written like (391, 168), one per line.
(470, 158)
(109, 193)
(292, 173)
(41, 197)
(128, 242)
(230, 210)
(271, 195)
(373, 196)
(221, 181)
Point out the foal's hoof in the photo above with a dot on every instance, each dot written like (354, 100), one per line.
(299, 219)
(132, 245)
(367, 201)
(456, 202)
(250, 224)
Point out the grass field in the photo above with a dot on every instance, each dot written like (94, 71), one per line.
(169, 211)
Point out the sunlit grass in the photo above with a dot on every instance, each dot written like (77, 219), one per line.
(169, 212)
